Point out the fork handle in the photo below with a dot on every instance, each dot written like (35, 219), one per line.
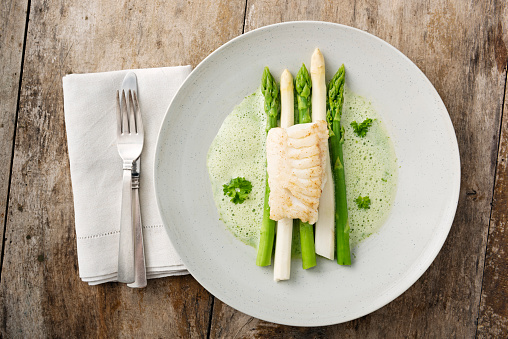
(139, 251)
(126, 246)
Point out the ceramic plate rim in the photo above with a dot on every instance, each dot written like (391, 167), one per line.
(437, 242)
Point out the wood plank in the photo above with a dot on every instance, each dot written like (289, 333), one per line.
(459, 46)
(41, 294)
(493, 318)
(13, 19)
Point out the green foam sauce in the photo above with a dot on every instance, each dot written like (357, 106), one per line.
(238, 150)
(370, 167)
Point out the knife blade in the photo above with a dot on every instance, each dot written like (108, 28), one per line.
(130, 83)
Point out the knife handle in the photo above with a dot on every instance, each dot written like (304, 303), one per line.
(126, 246)
(139, 250)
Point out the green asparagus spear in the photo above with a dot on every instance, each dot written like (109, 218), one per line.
(303, 86)
(335, 100)
(307, 245)
(270, 91)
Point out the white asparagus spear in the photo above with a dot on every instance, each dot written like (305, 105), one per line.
(325, 226)
(282, 260)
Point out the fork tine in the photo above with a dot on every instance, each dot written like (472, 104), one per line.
(139, 121)
(132, 120)
(118, 114)
(125, 122)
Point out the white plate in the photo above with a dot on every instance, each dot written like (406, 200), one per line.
(387, 263)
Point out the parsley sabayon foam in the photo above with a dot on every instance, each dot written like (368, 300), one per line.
(370, 168)
(238, 150)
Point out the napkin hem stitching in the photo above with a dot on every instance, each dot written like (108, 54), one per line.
(153, 226)
(100, 235)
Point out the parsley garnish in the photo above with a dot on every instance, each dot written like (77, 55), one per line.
(362, 128)
(238, 189)
(363, 202)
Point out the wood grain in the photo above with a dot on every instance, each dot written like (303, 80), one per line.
(461, 47)
(12, 20)
(493, 319)
(40, 292)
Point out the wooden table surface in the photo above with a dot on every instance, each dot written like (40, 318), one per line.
(461, 46)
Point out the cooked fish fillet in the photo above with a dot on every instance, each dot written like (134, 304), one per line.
(296, 158)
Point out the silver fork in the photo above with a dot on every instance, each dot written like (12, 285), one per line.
(130, 137)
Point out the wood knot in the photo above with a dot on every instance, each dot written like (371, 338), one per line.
(471, 192)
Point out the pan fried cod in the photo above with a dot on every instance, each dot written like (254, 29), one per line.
(296, 159)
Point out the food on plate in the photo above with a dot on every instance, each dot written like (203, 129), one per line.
(334, 116)
(362, 128)
(237, 189)
(360, 161)
(270, 91)
(370, 165)
(284, 238)
(238, 150)
(295, 162)
(303, 86)
(363, 202)
(325, 225)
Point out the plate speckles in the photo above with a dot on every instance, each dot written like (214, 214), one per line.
(418, 225)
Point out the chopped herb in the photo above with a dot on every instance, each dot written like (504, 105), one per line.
(238, 189)
(361, 129)
(363, 202)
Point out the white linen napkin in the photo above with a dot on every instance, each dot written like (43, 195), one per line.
(96, 169)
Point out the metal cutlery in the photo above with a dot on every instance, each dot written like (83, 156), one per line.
(130, 83)
(139, 251)
(130, 138)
